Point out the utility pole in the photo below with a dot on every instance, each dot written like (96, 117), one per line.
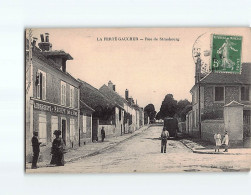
(198, 64)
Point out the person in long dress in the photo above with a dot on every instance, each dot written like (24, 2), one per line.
(57, 150)
(225, 141)
(217, 138)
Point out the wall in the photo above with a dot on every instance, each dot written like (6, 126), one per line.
(109, 131)
(233, 118)
(210, 127)
(231, 93)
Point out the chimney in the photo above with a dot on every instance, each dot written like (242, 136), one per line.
(110, 85)
(114, 87)
(42, 37)
(45, 45)
(47, 37)
(126, 94)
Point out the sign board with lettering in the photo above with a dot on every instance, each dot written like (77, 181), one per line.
(54, 109)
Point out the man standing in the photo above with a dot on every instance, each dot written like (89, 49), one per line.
(36, 149)
(103, 134)
(164, 136)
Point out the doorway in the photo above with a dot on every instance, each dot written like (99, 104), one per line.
(63, 127)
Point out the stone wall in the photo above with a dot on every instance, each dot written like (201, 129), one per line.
(210, 127)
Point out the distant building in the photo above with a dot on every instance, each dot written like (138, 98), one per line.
(103, 114)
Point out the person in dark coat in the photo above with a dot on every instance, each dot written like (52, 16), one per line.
(164, 136)
(103, 134)
(36, 149)
(57, 150)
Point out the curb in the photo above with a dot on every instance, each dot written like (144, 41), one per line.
(100, 150)
(204, 152)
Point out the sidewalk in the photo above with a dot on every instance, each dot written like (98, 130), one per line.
(91, 149)
(202, 147)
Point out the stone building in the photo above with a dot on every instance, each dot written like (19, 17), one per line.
(216, 91)
(52, 95)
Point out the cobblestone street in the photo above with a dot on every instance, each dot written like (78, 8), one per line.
(141, 153)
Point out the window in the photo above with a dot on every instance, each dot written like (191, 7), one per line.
(72, 129)
(219, 94)
(40, 85)
(63, 93)
(42, 132)
(71, 96)
(245, 93)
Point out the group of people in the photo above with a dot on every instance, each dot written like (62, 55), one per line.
(219, 143)
(57, 149)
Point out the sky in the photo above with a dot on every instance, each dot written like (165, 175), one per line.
(149, 68)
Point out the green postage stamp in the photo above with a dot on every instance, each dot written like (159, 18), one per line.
(226, 53)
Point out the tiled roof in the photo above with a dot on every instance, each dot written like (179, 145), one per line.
(58, 53)
(93, 97)
(40, 55)
(84, 106)
(114, 96)
(226, 78)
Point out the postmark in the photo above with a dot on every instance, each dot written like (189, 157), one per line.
(226, 53)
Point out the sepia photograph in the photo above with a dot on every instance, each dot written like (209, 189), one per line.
(137, 100)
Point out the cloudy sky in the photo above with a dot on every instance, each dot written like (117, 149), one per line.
(149, 69)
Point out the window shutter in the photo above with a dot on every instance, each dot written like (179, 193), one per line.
(38, 84)
(43, 86)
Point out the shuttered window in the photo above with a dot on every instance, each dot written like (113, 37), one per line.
(40, 84)
(71, 96)
(63, 93)
(42, 131)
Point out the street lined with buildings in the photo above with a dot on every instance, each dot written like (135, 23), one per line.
(141, 153)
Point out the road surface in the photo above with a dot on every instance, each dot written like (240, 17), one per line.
(141, 153)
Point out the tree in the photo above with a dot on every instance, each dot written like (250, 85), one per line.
(182, 104)
(168, 106)
(184, 112)
(150, 110)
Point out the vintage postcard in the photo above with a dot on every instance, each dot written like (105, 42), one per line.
(126, 100)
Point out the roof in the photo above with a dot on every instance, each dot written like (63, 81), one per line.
(40, 55)
(226, 78)
(84, 106)
(114, 96)
(57, 53)
(93, 97)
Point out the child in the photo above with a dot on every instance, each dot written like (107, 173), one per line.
(225, 141)
(217, 138)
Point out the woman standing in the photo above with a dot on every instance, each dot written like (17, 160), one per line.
(57, 150)
(217, 138)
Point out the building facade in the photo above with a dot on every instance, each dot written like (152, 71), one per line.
(52, 99)
(212, 93)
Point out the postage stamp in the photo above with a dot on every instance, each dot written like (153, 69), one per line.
(226, 53)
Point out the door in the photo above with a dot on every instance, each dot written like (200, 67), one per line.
(64, 130)
(95, 124)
